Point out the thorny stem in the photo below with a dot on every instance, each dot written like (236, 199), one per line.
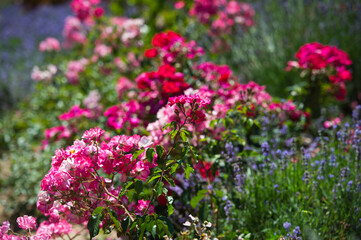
(166, 156)
(77, 234)
(121, 204)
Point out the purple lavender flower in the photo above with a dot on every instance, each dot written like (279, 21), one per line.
(287, 226)
(265, 148)
(227, 207)
(296, 233)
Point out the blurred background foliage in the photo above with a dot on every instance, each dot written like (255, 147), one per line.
(259, 54)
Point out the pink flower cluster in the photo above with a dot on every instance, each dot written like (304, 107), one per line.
(190, 107)
(235, 13)
(45, 75)
(102, 50)
(170, 45)
(225, 97)
(74, 69)
(74, 188)
(49, 44)
(75, 112)
(84, 9)
(54, 229)
(331, 123)
(92, 103)
(127, 30)
(127, 86)
(165, 82)
(46, 231)
(57, 133)
(212, 72)
(222, 15)
(73, 32)
(123, 113)
(193, 100)
(327, 60)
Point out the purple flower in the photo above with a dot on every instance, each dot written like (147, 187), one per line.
(287, 226)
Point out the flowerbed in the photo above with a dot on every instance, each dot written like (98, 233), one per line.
(150, 139)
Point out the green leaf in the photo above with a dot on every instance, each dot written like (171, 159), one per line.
(138, 186)
(170, 181)
(173, 134)
(213, 123)
(188, 170)
(248, 153)
(170, 228)
(137, 153)
(150, 154)
(249, 123)
(187, 132)
(125, 188)
(159, 188)
(170, 209)
(114, 218)
(219, 193)
(200, 195)
(257, 124)
(130, 195)
(174, 125)
(174, 168)
(153, 178)
(166, 126)
(125, 223)
(142, 230)
(160, 151)
(94, 222)
(183, 136)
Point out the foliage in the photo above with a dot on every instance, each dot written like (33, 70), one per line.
(155, 141)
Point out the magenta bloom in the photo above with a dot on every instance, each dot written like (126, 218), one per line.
(49, 44)
(93, 133)
(27, 222)
(75, 112)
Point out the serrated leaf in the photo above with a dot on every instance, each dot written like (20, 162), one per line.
(174, 168)
(170, 181)
(94, 222)
(150, 154)
(153, 178)
(188, 170)
(160, 151)
(114, 218)
(137, 153)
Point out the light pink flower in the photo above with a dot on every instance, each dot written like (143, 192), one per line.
(93, 133)
(26, 222)
(49, 44)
